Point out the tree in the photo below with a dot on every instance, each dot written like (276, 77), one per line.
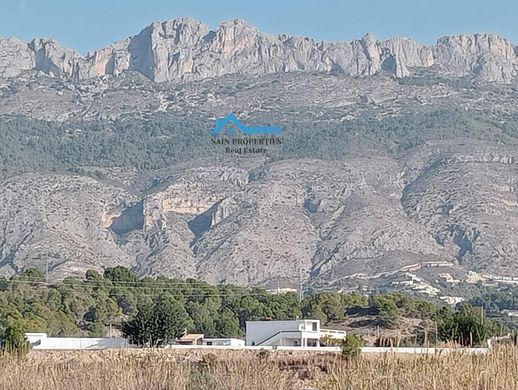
(34, 275)
(159, 323)
(171, 319)
(465, 326)
(227, 324)
(352, 345)
(140, 328)
(387, 316)
(93, 276)
(250, 309)
(326, 306)
(120, 274)
(161, 309)
(203, 317)
(387, 308)
(14, 341)
(126, 301)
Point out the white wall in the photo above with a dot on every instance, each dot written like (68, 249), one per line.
(34, 337)
(41, 341)
(231, 342)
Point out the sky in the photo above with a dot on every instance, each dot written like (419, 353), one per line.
(90, 24)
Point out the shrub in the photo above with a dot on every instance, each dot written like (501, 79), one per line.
(352, 345)
(14, 341)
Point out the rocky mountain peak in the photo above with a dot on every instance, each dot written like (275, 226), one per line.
(489, 56)
(181, 27)
(239, 23)
(51, 58)
(369, 38)
(479, 43)
(185, 49)
(14, 57)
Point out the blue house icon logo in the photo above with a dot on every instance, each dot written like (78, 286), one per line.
(231, 125)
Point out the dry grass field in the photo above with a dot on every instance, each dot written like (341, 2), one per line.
(252, 370)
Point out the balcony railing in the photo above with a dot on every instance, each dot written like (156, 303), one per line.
(334, 334)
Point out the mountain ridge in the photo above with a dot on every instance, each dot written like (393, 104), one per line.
(185, 49)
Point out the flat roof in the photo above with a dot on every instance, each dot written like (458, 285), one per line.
(223, 338)
(191, 336)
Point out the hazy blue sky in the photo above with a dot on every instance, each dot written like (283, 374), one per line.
(90, 24)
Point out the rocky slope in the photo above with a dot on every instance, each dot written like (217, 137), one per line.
(61, 221)
(185, 49)
(279, 97)
(448, 205)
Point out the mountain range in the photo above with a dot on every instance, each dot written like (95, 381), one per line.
(397, 167)
(185, 49)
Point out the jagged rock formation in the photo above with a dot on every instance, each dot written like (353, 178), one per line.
(15, 57)
(185, 49)
(489, 56)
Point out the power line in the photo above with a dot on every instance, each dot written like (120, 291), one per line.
(202, 286)
(86, 284)
(161, 290)
(185, 295)
(139, 282)
(47, 271)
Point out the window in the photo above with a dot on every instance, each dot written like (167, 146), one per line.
(314, 326)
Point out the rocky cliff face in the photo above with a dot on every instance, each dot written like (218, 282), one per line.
(451, 206)
(62, 216)
(186, 49)
(486, 55)
(15, 57)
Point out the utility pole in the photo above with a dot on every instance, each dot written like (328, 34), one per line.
(47, 271)
(426, 330)
(301, 286)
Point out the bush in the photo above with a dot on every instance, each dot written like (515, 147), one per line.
(352, 345)
(466, 326)
(14, 341)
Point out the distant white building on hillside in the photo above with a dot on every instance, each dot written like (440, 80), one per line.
(292, 333)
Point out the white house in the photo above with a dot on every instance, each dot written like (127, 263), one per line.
(298, 333)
